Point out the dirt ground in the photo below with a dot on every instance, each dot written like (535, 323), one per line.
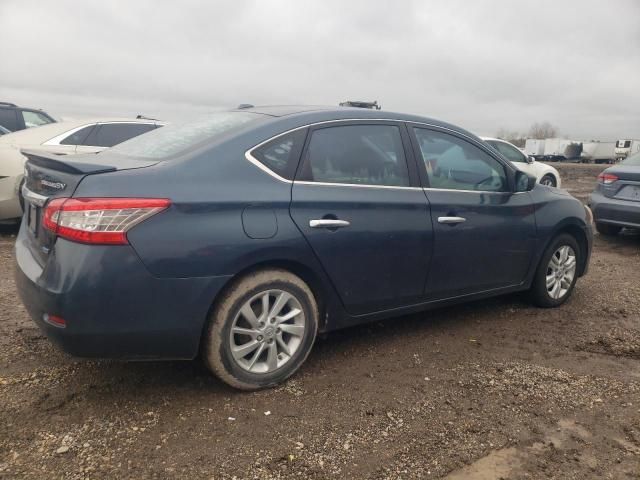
(493, 389)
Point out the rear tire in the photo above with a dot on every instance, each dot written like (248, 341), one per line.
(608, 229)
(272, 315)
(557, 272)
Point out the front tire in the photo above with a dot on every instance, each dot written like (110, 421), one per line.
(608, 229)
(549, 181)
(557, 272)
(261, 330)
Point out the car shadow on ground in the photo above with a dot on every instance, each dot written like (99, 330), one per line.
(9, 229)
(626, 237)
(185, 380)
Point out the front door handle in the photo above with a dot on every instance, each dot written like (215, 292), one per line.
(328, 223)
(451, 220)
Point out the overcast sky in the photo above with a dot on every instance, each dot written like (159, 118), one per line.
(480, 64)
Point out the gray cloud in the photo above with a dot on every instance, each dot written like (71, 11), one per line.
(482, 65)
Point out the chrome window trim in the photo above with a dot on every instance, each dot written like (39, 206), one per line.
(55, 141)
(262, 166)
(363, 185)
(249, 155)
(33, 197)
(468, 191)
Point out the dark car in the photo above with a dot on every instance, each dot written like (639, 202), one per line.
(616, 199)
(15, 118)
(242, 235)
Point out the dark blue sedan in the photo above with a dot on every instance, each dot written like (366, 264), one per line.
(242, 235)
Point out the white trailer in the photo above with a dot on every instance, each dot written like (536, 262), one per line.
(624, 148)
(555, 148)
(534, 147)
(599, 152)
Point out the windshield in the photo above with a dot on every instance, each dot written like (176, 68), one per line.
(178, 138)
(509, 151)
(633, 160)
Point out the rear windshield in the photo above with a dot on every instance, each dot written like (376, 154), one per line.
(633, 160)
(178, 138)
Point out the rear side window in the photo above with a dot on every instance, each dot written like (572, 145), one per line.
(8, 119)
(78, 137)
(34, 119)
(110, 134)
(281, 155)
(357, 154)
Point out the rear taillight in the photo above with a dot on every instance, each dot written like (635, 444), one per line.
(99, 220)
(607, 178)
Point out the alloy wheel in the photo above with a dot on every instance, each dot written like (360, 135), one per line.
(267, 331)
(561, 271)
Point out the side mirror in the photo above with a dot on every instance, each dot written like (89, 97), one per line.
(530, 159)
(524, 182)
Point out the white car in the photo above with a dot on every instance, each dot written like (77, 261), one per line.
(545, 174)
(63, 138)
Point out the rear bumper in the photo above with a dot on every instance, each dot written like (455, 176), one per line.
(625, 213)
(113, 307)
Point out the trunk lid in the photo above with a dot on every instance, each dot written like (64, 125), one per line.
(627, 187)
(49, 176)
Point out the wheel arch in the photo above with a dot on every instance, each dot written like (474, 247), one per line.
(307, 274)
(579, 234)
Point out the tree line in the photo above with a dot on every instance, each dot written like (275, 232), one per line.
(539, 130)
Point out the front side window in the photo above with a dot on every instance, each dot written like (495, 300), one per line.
(281, 154)
(110, 134)
(455, 164)
(357, 154)
(34, 119)
(510, 152)
(77, 137)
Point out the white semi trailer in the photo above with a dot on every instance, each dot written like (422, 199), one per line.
(534, 147)
(624, 148)
(557, 149)
(599, 152)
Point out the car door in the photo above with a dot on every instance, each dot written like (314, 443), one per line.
(484, 233)
(356, 198)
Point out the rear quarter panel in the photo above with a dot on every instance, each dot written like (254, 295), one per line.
(202, 234)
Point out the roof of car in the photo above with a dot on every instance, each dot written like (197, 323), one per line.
(284, 110)
(51, 130)
(319, 113)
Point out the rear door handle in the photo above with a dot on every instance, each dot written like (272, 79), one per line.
(451, 220)
(328, 223)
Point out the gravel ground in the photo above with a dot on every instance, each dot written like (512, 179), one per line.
(493, 389)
